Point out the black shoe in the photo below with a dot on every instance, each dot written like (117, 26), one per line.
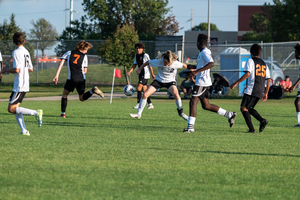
(297, 126)
(262, 125)
(231, 119)
(251, 131)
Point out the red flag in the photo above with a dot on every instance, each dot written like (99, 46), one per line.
(118, 73)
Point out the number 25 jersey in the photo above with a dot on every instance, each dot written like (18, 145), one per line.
(76, 61)
(259, 72)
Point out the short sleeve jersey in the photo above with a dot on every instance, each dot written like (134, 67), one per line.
(203, 78)
(139, 59)
(259, 72)
(21, 61)
(77, 61)
(165, 74)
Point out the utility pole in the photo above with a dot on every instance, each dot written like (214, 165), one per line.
(71, 13)
(208, 24)
(192, 19)
(66, 14)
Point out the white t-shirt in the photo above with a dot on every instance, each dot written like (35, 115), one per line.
(165, 74)
(203, 78)
(146, 68)
(22, 61)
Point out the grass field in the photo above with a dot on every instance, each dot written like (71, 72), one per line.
(99, 152)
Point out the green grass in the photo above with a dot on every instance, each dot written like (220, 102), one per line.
(99, 152)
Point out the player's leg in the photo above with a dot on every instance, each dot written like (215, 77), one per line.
(150, 105)
(297, 106)
(256, 115)
(139, 94)
(83, 95)
(174, 92)
(245, 105)
(192, 116)
(64, 102)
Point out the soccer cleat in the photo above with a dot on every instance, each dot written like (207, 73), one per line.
(297, 126)
(181, 114)
(188, 130)
(136, 106)
(150, 106)
(231, 119)
(97, 91)
(262, 125)
(63, 115)
(39, 117)
(251, 131)
(135, 116)
(27, 133)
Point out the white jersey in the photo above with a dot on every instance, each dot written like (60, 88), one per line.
(146, 68)
(21, 61)
(0, 57)
(203, 78)
(165, 74)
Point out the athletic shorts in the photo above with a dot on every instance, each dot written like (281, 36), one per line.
(79, 85)
(143, 81)
(16, 97)
(249, 101)
(201, 92)
(157, 85)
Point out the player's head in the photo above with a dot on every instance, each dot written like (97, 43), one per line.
(297, 51)
(287, 77)
(255, 50)
(168, 57)
(83, 46)
(19, 38)
(202, 41)
(139, 47)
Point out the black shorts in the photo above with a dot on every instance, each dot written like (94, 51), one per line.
(143, 81)
(157, 85)
(249, 101)
(79, 85)
(16, 97)
(201, 92)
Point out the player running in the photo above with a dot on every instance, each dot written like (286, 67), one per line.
(21, 67)
(139, 59)
(167, 69)
(77, 66)
(203, 82)
(256, 71)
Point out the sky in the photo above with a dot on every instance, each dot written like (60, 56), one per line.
(224, 13)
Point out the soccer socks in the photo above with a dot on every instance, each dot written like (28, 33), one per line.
(178, 103)
(142, 106)
(224, 113)
(149, 101)
(87, 95)
(191, 123)
(20, 120)
(255, 114)
(298, 117)
(25, 111)
(64, 102)
(247, 117)
(139, 96)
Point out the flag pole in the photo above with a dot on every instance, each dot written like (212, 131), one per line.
(112, 86)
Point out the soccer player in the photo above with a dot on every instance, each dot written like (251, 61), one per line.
(202, 86)
(297, 100)
(77, 65)
(256, 71)
(21, 67)
(139, 59)
(1, 67)
(167, 69)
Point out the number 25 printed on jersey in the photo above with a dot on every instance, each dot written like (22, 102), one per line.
(260, 70)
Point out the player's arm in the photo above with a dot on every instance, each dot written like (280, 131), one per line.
(85, 70)
(30, 70)
(142, 67)
(151, 71)
(12, 70)
(1, 69)
(244, 77)
(294, 86)
(58, 70)
(206, 67)
(265, 95)
(131, 69)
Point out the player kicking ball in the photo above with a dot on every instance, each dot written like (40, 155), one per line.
(167, 65)
(202, 84)
(256, 71)
(22, 65)
(77, 65)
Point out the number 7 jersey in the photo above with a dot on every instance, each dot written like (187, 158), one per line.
(259, 72)
(77, 61)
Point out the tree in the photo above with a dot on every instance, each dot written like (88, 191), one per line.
(44, 32)
(170, 25)
(146, 15)
(204, 27)
(119, 49)
(254, 36)
(284, 20)
(259, 23)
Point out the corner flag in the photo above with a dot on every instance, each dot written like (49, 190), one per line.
(117, 73)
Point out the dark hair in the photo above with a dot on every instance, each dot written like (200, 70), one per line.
(139, 45)
(287, 76)
(256, 50)
(82, 45)
(19, 38)
(297, 47)
(202, 39)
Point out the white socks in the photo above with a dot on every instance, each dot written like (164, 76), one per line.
(224, 113)
(25, 111)
(191, 123)
(298, 117)
(20, 120)
(142, 105)
(178, 104)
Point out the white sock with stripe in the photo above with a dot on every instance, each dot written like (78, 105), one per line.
(142, 105)
(191, 123)
(224, 113)
(298, 117)
(26, 111)
(20, 120)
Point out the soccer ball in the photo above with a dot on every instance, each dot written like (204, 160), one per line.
(128, 90)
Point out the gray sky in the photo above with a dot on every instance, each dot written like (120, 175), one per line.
(224, 13)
